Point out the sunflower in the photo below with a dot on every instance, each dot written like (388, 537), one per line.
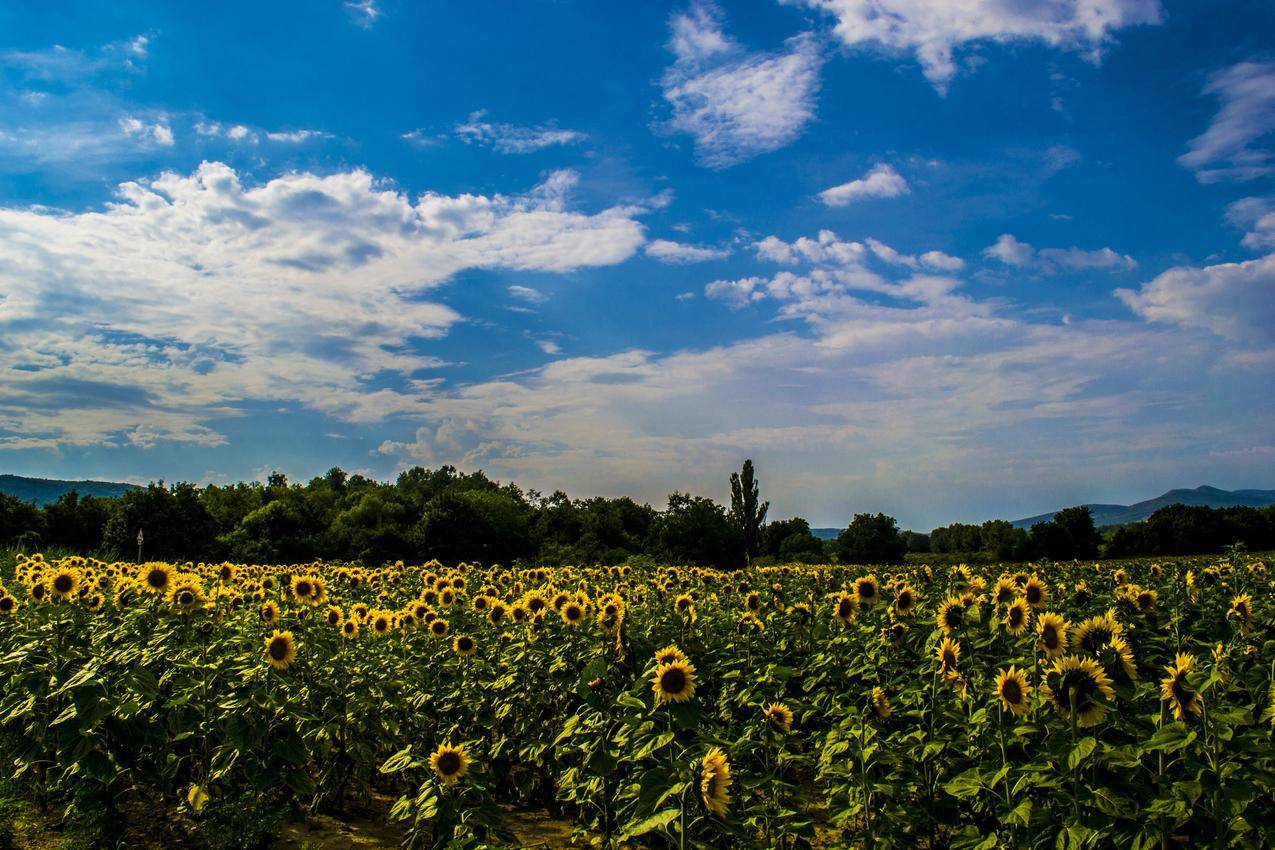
(303, 588)
(350, 628)
(684, 603)
(1174, 690)
(867, 590)
(904, 600)
(780, 717)
(715, 781)
(381, 623)
(187, 596)
(752, 602)
(226, 573)
(846, 608)
(669, 654)
(948, 654)
(334, 616)
(880, 704)
(64, 583)
(1094, 633)
(1005, 591)
(270, 612)
(674, 682)
(1035, 592)
(464, 646)
(449, 763)
(155, 578)
(951, 615)
(1117, 660)
(439, 627)
(8, 604)
(1052, 631)
(281, 650)
(39, 591)
(572, 613)
(1018, 617)
(1012, 690)
(1078, 684)
(1242, 610)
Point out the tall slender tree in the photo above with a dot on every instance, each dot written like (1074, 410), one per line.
(747, 512)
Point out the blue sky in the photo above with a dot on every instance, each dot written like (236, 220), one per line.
(947, 262)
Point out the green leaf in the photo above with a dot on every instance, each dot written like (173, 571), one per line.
(399, 761)
(1081, 752)
(965, 785)
(659, 820)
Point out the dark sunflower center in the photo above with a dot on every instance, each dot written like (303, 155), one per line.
(6, 604)
(449, 763)
(1011, 691)
(867, 591)
(1033, 594)
(1015, 616)
(438, 626)
(845, 608)
(279, 648)
(1050, 637)
(63, 583)
(157, 579)
(303, 588)
(673, 681)
(573, 613)
(465, 644)
(349, 627)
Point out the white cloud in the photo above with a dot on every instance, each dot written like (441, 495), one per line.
(297, 136)
(526, 293)
(667, 251)
(882, 181)
(1258, 216)
(914, 404)
(509, 138)
(1233, 300)
(159, 132)
(193, 294)
(735, 104)
(933, 30)
(364, 13)
(1226, 150)
(1009, 251)
(64, 65)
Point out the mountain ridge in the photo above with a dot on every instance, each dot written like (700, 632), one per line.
(42, 491)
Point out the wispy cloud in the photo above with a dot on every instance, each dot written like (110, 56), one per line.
(364, 13)
(1227, 150)
(510, 138)
(1009, 251)
(667, 251)
(735, 104)
(933, 30)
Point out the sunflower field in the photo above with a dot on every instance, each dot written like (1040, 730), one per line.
(1059, 705)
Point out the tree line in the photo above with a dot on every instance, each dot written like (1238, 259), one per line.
(453, 516)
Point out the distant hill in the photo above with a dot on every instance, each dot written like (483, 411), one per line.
(825, 533)
(1209, 496)
(44, 490)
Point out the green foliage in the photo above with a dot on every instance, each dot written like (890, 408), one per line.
(870, 539)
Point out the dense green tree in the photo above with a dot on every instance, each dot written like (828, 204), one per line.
(177, 524)
(488, 526)
(20, 523)
(696, 530)
(76, 523)
(870, 539)
(747, 511)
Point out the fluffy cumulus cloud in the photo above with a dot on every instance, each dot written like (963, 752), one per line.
(510, 138)
(882, 181)
(933, 30)
(736, 104)
(880, 380)
(1232, 300)
(1231, 148)
(195, 293)
(1010, 251)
